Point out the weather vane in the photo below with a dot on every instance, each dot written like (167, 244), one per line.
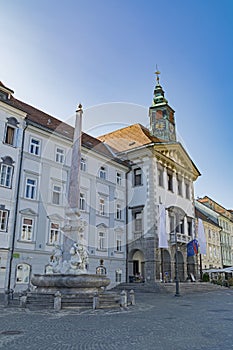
(157, 74)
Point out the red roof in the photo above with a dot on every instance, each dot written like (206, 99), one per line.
(53, 124)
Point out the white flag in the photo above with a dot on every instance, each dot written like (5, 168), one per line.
(163, 243)
(201, 237)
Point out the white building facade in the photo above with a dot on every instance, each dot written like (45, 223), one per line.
(34, 184)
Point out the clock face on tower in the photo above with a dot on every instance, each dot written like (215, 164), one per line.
(160, 125)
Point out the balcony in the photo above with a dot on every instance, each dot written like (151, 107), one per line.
(181, 238)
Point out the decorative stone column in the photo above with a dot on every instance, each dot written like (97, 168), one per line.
(74, 227)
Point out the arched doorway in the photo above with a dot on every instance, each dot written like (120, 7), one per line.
(180, 265)
(136, 265)
(166, 268)
(191, 266)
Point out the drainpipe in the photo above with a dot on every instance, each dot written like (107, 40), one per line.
(127, 222)
(15, 214)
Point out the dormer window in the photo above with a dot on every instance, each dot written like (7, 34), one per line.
(3, 96)
(11, 131)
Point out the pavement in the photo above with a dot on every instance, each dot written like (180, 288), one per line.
(157, 322)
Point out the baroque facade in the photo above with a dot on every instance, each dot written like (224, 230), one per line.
(35, 167)
(162, 176)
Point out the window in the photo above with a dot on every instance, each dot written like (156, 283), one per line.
(169, 181)
(137, 173)
(180, 227)
(190, 227)
(187, 190)
(101, 241)
(6, 175)
(82, 202)
(137, 217)
(11, 131)
(160, 176)
(30, 192)
(60, 155)
(54, 233)
(118, 242)
(118, 178)
(179, 186)
(83, 165)
(6, 171)
(34, 147)
(27, 229)
(118, 212)
(210, 252)
(56, 195)
(101, 206)
(10, 134)
(3, 220)
(102, 173)
(22, 273)
(118, 275)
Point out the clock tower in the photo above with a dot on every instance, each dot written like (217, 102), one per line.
(162, 122)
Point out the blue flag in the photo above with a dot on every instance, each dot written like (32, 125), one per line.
(192, 248)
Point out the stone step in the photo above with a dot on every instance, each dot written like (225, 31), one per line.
(190, 287)
(139, 287)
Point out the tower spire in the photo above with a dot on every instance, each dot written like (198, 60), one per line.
(157, 75)
(162, 122)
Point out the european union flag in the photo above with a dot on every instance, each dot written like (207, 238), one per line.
(192, 248)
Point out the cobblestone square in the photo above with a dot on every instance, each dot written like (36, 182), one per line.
(157, 321)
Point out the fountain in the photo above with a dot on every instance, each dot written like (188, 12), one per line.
(67, 282)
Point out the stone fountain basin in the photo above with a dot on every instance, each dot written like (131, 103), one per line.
(57, 281)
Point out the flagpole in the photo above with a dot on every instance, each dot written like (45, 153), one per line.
(201, 273)
(162, 267)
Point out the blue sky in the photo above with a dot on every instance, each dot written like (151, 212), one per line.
(55, 54)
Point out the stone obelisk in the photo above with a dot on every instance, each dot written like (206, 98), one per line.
(74, 226)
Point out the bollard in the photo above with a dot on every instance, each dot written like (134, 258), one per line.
(131, 297)
(57, 301)
(7, 297)
(23, 301)
(123, 299)
(96, 301)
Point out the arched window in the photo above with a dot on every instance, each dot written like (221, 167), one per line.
(11, 131)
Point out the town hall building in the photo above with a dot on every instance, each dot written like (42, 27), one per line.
(160, 194)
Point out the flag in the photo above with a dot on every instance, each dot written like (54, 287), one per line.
(192, 248)
(163, 243)
(201, 237)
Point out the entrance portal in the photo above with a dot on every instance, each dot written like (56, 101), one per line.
(136, 266)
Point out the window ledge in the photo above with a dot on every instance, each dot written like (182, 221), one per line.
(24, 241)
